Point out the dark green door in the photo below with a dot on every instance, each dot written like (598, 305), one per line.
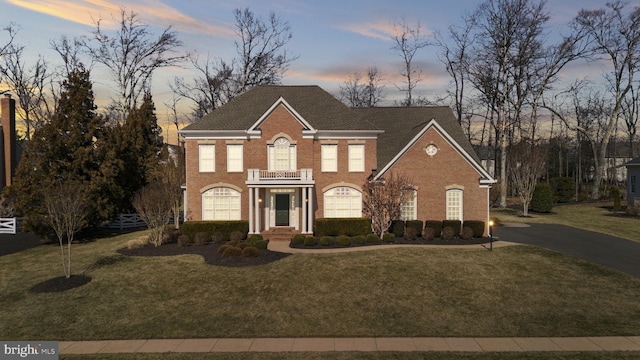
(282, 210)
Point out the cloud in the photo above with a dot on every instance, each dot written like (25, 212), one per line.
(381, 29)
(86, 12)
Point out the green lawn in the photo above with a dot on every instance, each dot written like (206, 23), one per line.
(512, 291)
(588, 216)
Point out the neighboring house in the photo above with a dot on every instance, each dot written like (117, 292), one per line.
(633, 182)
(283, 156)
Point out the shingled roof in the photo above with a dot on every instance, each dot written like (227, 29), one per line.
(402, 124)
(319, 108)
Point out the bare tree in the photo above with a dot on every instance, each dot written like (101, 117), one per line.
(5, 45)
(261, 48)
(527, 164)
(132, 56)
(30, 86)
(407, 42)
(631, 113)
(358, 93)
(66, 213)
(383, 199)
(170, 173)
(70, 51)
(154, 205)
(613, 38)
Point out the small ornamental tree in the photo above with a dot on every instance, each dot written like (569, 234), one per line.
(526, 165)
(154, 206)
(66, 214)
(383, 199)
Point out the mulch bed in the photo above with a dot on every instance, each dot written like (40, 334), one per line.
(60, 284)
(209, 252)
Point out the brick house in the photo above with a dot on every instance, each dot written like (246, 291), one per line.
(283, 156)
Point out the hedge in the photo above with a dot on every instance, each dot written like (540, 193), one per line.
(436, 225)
(342, 226)
(456, 225)
(397, 228)
(191, 228)
(476, 225)
(416, 224)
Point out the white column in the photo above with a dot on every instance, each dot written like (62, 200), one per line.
(257, 210)
(303, 205)
(310, 211)
(251, 205)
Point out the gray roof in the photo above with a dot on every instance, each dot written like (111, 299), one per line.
(402, 124)
(319, 108)
(634, 162)
(324, 112)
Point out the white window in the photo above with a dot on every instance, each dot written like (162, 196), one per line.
(342, 202)
(282, 155)
(234, 158)
(356, 158)
(409, 208)
(221, 203)
(207, 158)
(454, 204)
(329, 155)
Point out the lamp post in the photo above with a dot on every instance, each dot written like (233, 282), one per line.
(490, 235)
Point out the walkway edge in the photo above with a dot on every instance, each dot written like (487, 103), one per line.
(410, 344)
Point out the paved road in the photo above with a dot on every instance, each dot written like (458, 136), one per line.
(606, 250)
(10, 244)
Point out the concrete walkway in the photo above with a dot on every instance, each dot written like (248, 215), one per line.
(518, 344)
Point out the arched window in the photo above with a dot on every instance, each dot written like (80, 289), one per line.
(342, 202)
(454, 204)
(409, 206)
(282, 155)
(221, 203)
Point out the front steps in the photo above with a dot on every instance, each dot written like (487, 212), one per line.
(279, 233)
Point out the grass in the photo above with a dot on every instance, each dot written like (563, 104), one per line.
(365, 356)
(588, 216)
(513, 291)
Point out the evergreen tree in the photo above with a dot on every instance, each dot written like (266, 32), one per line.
(137, 145)
(69, 148)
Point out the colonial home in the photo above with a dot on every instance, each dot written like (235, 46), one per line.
(633, 182)
(283, 156)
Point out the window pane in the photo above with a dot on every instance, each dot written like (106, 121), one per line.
(329, 158)
(234, 158)
(356, 158)
(207, 159)
(454, 205)
(221, 204)
(342, 202)
(409, 207)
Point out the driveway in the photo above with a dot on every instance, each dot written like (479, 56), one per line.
(605, 250)
(21, 241)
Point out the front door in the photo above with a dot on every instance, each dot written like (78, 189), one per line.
(282, 209)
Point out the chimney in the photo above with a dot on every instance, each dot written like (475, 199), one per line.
(8, 139)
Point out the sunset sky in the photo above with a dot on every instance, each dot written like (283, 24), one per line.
(333, 39)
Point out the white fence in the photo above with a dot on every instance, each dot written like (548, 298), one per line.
(8, 225)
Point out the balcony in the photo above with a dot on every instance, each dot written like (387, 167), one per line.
(280, 177)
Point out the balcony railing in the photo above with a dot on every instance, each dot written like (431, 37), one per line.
(276, 175)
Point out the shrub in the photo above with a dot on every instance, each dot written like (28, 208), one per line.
(243, 244)
(436, 225)
(232, 251)
(137, 243)
(397, 228)
(340, 226)
(190, 228)
(310, 241)
(410, 233)
(298, 239)
(466, 233)
(326, 240)
(373, 238)
(455, 225)
(388, 237)
(359, 239)
(218, 238)
(542, 201)
(563, 188)
(224, 247)
(476, 225)
(171, 234)
(448, 233)
(237, 235)
(615, 195)
(428, 234)
(250, 252)
(258, 243)
(416, 224)
(183, 240)
(343, 240)
(201, 238)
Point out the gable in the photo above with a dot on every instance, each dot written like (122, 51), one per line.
(275, 113)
